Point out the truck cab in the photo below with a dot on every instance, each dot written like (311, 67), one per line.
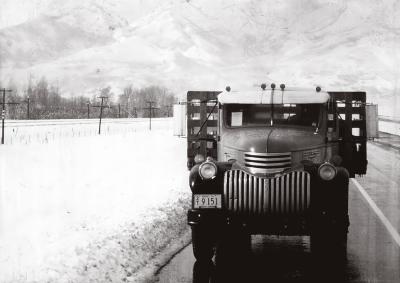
(273, 161)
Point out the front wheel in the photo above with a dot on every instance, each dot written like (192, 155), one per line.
(234, 244)
(332, 242)
(202, 242)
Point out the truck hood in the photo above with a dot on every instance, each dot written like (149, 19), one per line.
(271, 139)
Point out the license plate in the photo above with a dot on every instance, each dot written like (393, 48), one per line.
(207, 201)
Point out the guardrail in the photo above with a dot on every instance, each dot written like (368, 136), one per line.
(389, 119)
(390, 125)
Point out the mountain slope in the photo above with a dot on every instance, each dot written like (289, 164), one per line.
(209, 44)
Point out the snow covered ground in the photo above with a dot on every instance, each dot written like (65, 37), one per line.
(45, 131)
(91, 208)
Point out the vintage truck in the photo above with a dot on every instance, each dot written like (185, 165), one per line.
(274, 161)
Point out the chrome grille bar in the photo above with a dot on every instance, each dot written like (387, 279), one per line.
(296, 192)
(259, 158)
(267, 196)
(235, 190)
(267, 162)
(308, 190)
(260, 194)
(287, 194)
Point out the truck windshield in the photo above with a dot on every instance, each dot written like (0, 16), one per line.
(247, 115)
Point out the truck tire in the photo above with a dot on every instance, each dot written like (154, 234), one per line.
(244, 240)
(330, 241)
(331, 220)
(234, 243)
(203, 246)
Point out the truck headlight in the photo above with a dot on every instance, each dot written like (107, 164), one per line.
(208, 170)
(327, 171)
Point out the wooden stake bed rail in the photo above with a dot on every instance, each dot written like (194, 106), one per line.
(349, 108)
(202, 123)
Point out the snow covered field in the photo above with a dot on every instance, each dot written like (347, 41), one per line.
(89, 208)
(45, 131)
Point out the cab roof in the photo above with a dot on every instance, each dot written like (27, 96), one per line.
(288, 96)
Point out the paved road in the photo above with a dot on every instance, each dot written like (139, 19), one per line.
(373, 253)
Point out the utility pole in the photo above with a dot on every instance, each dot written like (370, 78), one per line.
(119, 110)
(88, 109)
(3, 111)
(28, 102)
(150, 108)
(28, 107)
(101, 109)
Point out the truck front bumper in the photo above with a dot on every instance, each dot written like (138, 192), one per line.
(219, 220)
(207, 217)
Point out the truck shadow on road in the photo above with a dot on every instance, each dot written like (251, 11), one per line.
(275, 259)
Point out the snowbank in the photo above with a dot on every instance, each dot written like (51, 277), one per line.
(94, 208)
(132, 254)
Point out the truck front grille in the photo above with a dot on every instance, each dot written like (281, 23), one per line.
(248, 194)
(267, 162)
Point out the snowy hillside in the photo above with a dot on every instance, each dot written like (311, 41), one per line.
(208, 44)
